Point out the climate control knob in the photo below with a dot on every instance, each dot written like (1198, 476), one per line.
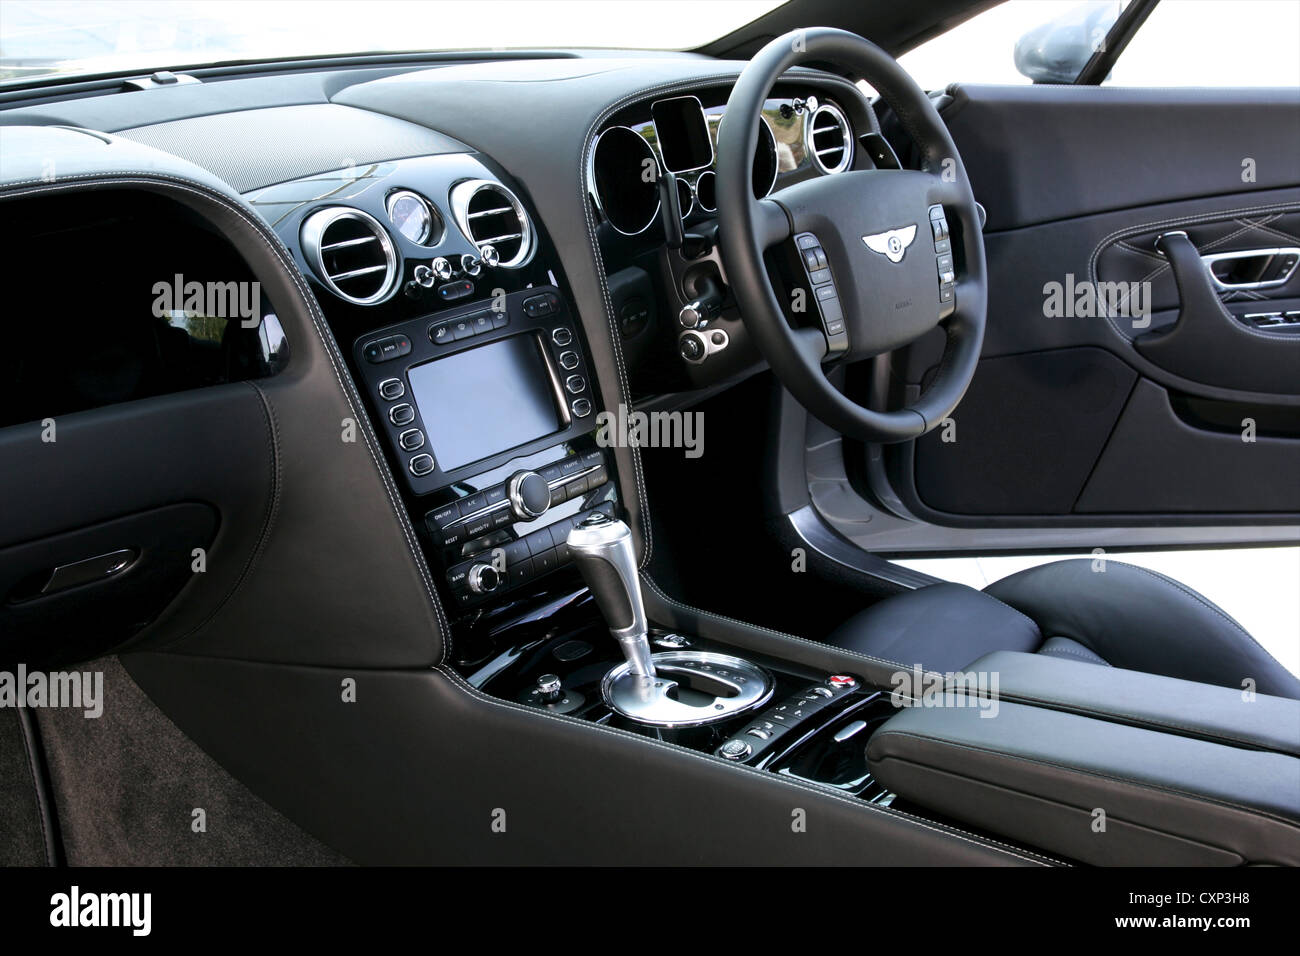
(483, 578)
(529, 495)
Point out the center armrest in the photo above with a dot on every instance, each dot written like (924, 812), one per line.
(1227, 715)
(1091, 789)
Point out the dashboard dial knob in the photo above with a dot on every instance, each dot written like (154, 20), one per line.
(549, 688)
(483, 579)
(471, 265)
(529, 495)
(441, 268)
(489, 256)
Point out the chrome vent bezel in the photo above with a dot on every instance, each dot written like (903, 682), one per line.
(462, 194)
(313, 236)
(838, 119)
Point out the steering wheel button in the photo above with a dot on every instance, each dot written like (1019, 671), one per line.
(807, 241)
(818, 276)
(831, 311)
(942, 245)
(835, 328)
(940, 228)
(946, 292)
(826, 292)
(945, 263)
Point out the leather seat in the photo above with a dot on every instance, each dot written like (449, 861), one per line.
(1125, 616)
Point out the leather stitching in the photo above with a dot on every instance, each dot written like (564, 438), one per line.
(1082, 708)
(1224, 214)
(1137, 785)
(755, 774)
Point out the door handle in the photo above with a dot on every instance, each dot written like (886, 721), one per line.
(1252, 268)
(98, 568)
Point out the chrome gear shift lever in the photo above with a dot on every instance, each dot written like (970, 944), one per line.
(602, 549)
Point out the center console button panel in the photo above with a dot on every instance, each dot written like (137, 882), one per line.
(470, 528)
(772, 725)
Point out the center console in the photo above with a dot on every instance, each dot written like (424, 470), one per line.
(490, 411)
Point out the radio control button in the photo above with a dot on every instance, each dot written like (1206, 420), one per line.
(545, 562)
(402, 414)
(520, 571)
(575, 384)
(442, 517)
(421, 465)
(411, 439)
(529, 495)
(483, 579)
(581, 407)
(562, 337)
(471, 504)
(391, 389)
(568, 361)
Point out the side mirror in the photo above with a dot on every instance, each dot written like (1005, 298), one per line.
(1057, 51)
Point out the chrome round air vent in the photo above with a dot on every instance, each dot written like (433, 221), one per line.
(829, 139)
(489, 214)
(351, 253)
(623, 179)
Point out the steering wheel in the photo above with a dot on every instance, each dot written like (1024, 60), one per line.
(874, 228)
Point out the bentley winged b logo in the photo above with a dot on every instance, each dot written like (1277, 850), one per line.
(891, 244)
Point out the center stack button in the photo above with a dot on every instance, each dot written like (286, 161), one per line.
(529, 495)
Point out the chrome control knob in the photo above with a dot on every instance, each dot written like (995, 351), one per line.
(483, 579)
(489, 256)
(441, 268)
(424, 276)
(471, 265)
(549, 688)
(529, 495)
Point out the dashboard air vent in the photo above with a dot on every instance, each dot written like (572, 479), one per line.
(829, 139)
(351, 253)
(491, 215)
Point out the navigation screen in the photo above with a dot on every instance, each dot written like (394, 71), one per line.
(484, 400)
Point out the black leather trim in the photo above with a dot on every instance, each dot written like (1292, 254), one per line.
(1190, 709)
(1040, 776)
(332, 494)
(419, 765)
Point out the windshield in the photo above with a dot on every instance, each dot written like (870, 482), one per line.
(43, 37)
